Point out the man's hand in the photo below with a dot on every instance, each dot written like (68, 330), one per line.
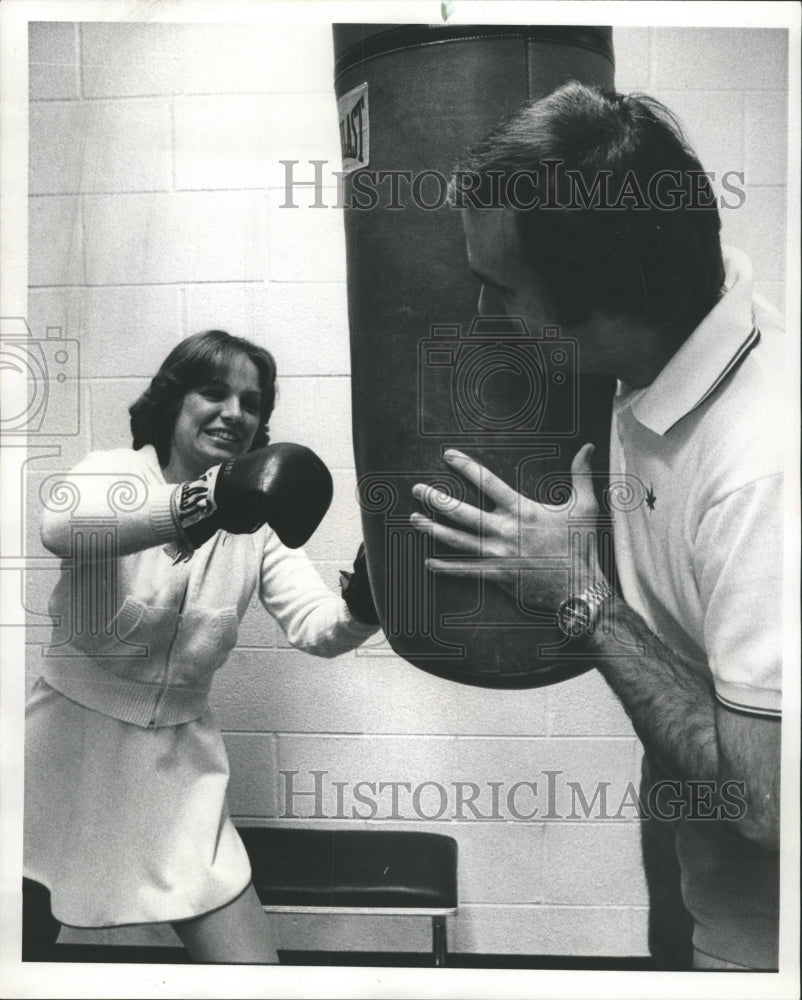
(552, 548)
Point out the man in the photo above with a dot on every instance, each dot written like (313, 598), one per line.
(590, 211)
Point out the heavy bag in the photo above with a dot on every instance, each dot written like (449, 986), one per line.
(427, 374)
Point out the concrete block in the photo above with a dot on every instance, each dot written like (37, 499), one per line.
(593, 864)
(272, 58)
(110, 422)
(340, 532)
(759, 228)
(632, 49)
(240, 141)
(639, 929)
(367, 767)
(534, 780)
(498, 862)
(774, 292)
(308, 324)
(224, 142)
(131, 59)
(543, 930)
(585, 706)
(766, 136)
(100, 146)
(300, 59)
(128, 59)
(41, 576)
(55, 241)
(316, 412)
(304, 127)
(720, 58)
(308, 182)
(52, 60)
(303, 325)
(40, 579)
(161, 239)
(122, 331)
(239, 308)
(362, 693)
(306, 243)
(20, 508)
(251, 792)
(713, 123)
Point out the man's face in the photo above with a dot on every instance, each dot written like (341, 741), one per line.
(511, 288)
(494, 258)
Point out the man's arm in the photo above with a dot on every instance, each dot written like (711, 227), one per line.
(675, 713)
(671, 702)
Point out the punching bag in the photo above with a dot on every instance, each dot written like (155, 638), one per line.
(427, 373)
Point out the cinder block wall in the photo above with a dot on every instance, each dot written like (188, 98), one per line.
(155, 194)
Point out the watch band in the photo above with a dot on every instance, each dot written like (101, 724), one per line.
(577, 614)
(597, 594)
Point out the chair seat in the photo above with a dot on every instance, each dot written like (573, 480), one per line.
(353, 869)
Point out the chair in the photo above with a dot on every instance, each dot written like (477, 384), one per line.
(356, 871)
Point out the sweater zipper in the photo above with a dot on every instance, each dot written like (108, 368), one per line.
(166, 676)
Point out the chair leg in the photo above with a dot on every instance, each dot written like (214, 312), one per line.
(439, 941)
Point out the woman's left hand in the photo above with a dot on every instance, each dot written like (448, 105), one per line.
(551, 548)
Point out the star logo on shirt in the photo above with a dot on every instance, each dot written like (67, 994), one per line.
(651, 499)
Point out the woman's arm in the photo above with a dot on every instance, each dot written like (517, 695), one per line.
(310, 615)
(108, 488)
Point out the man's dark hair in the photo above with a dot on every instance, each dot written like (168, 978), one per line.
(626, 221)
(195, 362)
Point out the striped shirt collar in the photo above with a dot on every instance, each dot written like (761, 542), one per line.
(706, 358)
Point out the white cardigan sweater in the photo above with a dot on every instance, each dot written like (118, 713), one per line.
(139, 635)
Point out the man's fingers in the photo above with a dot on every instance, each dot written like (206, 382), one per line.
(453, 537)
(498, 566)
(582, 478)
(461, 567)
(455, 510)
(494, 488)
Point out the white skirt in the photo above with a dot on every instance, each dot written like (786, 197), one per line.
(126, 825)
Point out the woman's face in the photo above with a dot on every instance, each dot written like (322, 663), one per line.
(217, 421)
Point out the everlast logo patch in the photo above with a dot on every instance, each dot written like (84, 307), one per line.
(352, 109)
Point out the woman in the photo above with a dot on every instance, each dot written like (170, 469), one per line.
(126, 773)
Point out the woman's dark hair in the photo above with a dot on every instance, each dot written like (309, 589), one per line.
(195, 362)
(619, 217)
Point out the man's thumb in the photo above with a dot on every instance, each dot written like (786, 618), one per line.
(581, 473)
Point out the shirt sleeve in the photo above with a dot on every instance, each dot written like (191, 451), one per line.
(312, 617)
(738, 563)
(107, 485)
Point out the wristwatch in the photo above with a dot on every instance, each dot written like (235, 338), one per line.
(577, 614)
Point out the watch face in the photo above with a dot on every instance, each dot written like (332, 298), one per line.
(574, 616)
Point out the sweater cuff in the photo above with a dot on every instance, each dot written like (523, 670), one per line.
(358, 627)
(161, 513)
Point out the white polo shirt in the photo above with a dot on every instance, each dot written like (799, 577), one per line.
(699, 553)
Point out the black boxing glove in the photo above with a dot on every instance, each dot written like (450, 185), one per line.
(356, 592)
(284, 485)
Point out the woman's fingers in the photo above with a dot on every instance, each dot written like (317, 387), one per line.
(486, 481)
